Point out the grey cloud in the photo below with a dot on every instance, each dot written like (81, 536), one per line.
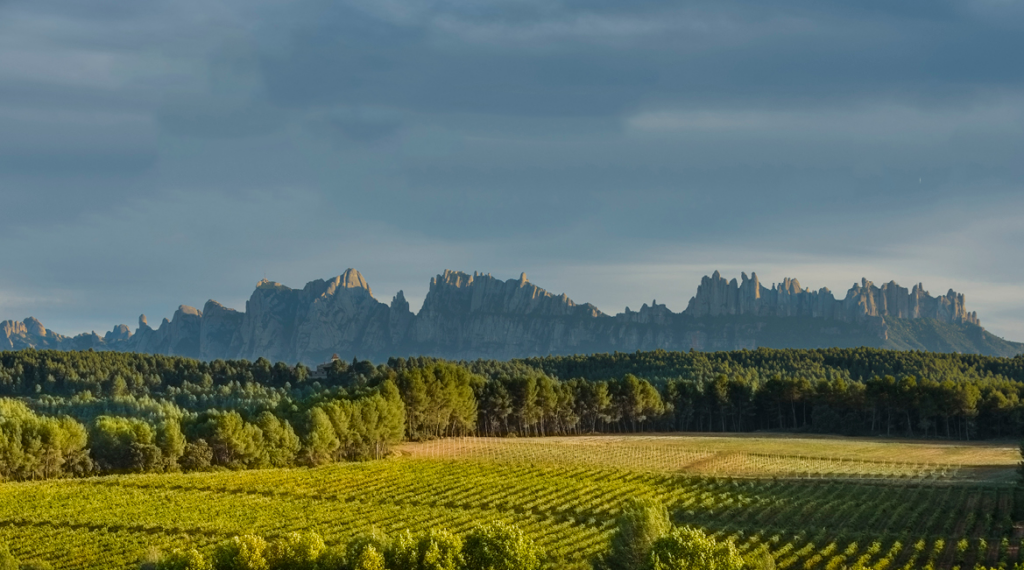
(220, 119)
(364, 125)
(403, 137)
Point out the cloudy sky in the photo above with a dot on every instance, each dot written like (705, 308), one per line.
(166, 152)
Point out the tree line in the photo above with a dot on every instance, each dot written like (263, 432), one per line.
(332, 427)
(81, 413)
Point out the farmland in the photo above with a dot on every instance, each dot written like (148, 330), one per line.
(565, 493)
(763, 455)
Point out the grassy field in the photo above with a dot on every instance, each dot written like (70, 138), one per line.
(745, 455)
(562, 497)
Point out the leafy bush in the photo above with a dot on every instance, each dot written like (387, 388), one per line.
(246, 552)
(190, 559)
(499, 546)
(639, 525)
(691, 549)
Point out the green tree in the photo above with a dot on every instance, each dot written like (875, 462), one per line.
(246, 552)
(640, 524)
(369, 559)
(499, 546)
(236, 443)
(188, 559)
(321, 439)
(691, 549)
(439, 549)
(366, 552)
(281, 445)
(439, 399)
(296, 551)
(171, 442)
(402, 552)
(197, 456)
(636, 401)
(122, 444)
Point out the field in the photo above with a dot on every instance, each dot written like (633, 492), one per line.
(858, 504)
(744, 455)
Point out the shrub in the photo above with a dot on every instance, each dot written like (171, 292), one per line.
(364, 550)
(439, 549)
(197, 456)
(499, 546)
(190, 559)
(296, 551)
(691, 549)
(369, 559)
(241, 553)
(640, 524)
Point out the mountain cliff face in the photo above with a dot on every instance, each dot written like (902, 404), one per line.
(478, 316)
(716, 296)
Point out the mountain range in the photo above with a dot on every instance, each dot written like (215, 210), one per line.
(478, 316)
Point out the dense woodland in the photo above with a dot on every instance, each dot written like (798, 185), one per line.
(80, 413)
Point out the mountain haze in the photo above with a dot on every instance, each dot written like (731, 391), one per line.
(478, 316)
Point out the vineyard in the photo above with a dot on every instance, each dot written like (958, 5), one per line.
(740, 456)
(896, 518)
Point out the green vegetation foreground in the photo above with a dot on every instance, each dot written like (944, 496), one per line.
(568, 511)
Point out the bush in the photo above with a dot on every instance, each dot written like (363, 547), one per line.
(363, 552)
(439, 549)
(640, 524)
(401, 552)
(190, 559)
(197, 456)
(241, 553)
(369, 559)
(691, 549)
(499, 546)
(297, 551)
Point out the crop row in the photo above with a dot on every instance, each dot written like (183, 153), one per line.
(568, 510)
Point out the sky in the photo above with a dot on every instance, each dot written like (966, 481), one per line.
(161, 153)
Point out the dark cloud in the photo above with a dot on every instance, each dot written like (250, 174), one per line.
(158, 154)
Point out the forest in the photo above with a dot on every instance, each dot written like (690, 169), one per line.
(81, 413)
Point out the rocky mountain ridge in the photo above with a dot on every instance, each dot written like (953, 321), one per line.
(478, 316)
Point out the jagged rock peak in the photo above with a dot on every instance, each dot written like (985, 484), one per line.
(716, 296)
(398, 302)
(454, 291)
(212, 305)
(455, 278)
(352, 279)
(477, 315)
(12, 328)
(190, 311)
(33, 326)
(268, 284)
(119, 333)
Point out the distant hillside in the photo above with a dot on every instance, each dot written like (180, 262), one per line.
(478, 316)
(936, 336)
